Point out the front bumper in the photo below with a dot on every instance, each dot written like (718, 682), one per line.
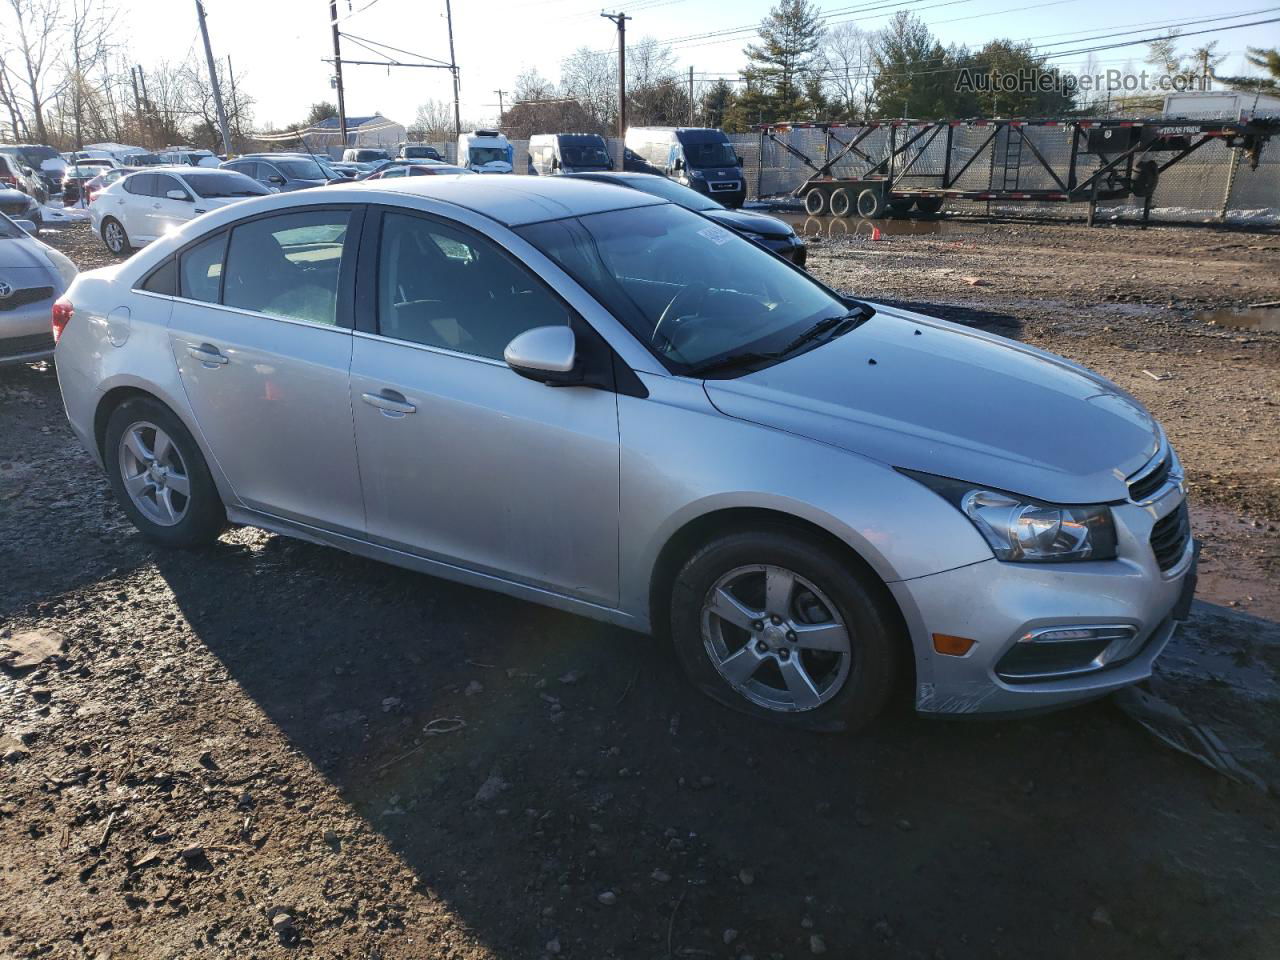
(999, 605)
(24, 332)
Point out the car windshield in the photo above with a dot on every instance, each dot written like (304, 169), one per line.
(299, 169)
(670, 190)
(710, 154)
(488, 154)
(370, 156)
(584, 155)
(33, 157)
(692, 291)
(228, 183)
(417, 152)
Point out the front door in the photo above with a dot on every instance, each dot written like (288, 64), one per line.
(463, 460)
(164, 213)
(261, 335)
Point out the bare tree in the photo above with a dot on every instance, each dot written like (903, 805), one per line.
(846, 59)
(591, 78)
(33, 36)
(88, 47)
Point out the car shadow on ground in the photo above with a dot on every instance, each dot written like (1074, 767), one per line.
(580, 791)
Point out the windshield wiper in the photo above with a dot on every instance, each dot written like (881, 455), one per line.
(828, 324)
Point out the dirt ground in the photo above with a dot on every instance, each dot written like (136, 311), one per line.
(271, 749)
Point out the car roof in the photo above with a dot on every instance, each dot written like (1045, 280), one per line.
(511, 199)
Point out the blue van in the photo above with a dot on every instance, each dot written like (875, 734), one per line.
(698, 157)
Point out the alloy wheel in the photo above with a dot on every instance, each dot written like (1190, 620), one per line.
(776, 638)
(113, 233)
(154, 474)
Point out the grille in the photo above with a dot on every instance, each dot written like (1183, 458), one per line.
(1169, 537)
(25, 296)
(1151, 477)
(34, 343)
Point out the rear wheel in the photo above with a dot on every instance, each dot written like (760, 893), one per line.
(870, 204)
(159, 476)
(841, 203)
(785, 628)
(114, 237)
(929, 204)
(900, 206)
(815, 203)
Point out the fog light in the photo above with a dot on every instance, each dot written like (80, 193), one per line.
(1051, 653)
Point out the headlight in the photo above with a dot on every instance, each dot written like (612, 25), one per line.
(694, 174)
(1025, 530)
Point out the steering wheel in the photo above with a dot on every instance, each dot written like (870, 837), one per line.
(692, 296)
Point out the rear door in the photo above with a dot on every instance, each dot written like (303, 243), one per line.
(133, 206)
(261, 333)
(463, 460)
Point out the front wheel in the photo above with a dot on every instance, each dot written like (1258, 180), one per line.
(114, 237)
(785, 628)
(159, 476)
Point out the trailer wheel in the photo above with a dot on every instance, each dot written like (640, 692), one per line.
(815, 203)
(1145, 178)
(929, 204)
(870, 204)
(841, 203)
(900, 206)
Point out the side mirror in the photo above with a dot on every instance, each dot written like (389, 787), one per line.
(27, 226)
(276, 179)
(546, 354)
(739, 161)
(555, 163)
(679, 164)
(178, 195)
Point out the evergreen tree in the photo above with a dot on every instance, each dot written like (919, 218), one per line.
(781, 65)
(717, 102)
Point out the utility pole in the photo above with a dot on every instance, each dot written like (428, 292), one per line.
(691, 95)
(137, 102)
(620, 19)
(337, 70)
(453, 68)
(235, 104)
(501, 111)
(146, 103)
(213, 81)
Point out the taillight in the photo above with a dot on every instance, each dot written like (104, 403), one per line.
(62, 311)
(5, 178)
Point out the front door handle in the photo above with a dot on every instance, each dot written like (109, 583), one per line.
(391, 403)
(208, 354)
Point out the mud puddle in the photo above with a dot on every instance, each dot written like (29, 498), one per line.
(1256, 318)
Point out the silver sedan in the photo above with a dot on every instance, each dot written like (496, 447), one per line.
(587, 397)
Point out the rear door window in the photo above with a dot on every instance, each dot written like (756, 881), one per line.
(200, 269)
(288, 265)
(140, 184)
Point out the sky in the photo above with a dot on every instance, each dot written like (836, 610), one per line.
(277, 46)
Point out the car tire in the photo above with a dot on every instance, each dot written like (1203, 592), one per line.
(114, 236)
(870, 204)
(147, 452)
(841, 203)
(739, 661)
(815, 203)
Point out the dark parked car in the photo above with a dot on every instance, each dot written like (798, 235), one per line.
(16, 174)
(44, 161)
(419, 151)
(18, 205)
(77, 178)
(770, 232)
(282, 171)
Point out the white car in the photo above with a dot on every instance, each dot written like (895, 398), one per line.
(146, 205)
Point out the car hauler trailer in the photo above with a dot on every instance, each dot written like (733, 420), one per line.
(921, 164)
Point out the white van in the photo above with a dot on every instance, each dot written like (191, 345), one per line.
(485, 151)
(552, 153)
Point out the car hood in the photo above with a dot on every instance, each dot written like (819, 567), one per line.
(757, 223)
(25, 256)
(928, 395)
(493, 166)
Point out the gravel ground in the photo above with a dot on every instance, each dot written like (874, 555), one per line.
(271, 749)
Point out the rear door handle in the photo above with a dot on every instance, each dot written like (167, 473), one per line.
(391, 403)
(208, 354)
